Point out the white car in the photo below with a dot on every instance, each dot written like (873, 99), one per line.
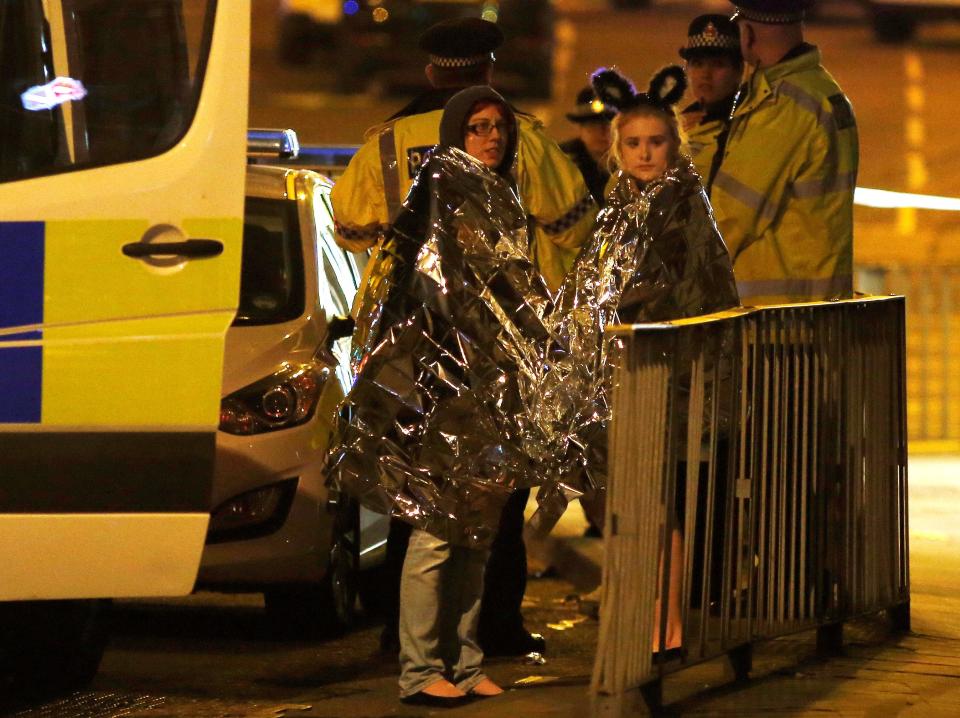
(275, 527)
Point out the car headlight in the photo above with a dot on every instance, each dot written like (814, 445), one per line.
(282, 400)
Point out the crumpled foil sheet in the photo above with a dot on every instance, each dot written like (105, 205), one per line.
(471, 381)
(449, 349)
(656, 255)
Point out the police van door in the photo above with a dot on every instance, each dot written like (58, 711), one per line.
(122, 127)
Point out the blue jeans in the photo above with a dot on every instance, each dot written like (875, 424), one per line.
(440, 592)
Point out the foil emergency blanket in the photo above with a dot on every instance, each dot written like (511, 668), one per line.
(449, 348)
(655, 255)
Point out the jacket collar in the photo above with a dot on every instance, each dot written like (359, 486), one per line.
(760, 83)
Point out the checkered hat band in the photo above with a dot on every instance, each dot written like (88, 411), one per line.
(441, 61)
(370, 232)
(770, 18)
(570, 218)
(712, 42)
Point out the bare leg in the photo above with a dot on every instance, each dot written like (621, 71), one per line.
(674, 638)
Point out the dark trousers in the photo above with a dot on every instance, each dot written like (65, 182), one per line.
(504, 583)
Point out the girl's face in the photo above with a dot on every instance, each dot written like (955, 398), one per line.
(645, 147)
(486, 136)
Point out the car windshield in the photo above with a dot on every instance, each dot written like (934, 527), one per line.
(271, 277)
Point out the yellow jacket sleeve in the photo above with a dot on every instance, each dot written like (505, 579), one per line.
(557, 200)
(359, 206)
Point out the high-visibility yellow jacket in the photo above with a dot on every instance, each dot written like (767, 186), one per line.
(700, 143)
(700, 135)
(783, 196)
(368, 195)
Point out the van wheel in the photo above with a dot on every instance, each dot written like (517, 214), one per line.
(893, 26)
(48, 648)
(294, 41)
(330, 607)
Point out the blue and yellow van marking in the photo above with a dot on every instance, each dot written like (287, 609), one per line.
(21, 305)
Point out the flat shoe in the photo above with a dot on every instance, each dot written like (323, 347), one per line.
(425, 699)
(478, 696)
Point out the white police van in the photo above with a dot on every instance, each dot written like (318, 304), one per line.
(122, 156)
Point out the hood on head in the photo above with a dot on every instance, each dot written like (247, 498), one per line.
(457, 111)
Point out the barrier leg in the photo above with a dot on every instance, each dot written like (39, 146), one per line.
(630, 704)
(830, 639)
(741, 662)
(652, 693)
(899, 616)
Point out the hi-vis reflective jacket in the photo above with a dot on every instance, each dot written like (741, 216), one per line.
(783, 195)
(700, 143)
(368, 195)
(701, 132)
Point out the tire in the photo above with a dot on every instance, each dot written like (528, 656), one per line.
(295, 39)
(48, 648)
(893, 26)
(330, 607)
(372, 596)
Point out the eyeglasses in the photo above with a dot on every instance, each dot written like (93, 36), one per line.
(485, 127)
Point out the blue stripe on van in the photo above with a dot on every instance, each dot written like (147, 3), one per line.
(21, 303)
(21, 379)
(21, 273)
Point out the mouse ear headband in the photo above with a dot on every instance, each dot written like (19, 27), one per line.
(665, 90)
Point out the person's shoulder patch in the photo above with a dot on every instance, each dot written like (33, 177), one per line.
(416, 156)
(842, 112)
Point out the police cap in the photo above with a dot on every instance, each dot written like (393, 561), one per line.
(771, 12)
(590, 108)
(461, 42)
(712, 35)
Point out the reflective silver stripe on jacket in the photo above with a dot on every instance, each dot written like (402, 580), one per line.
(843, 182)
(811, 104)
(745, 195)
(840, 285)
(390, 171)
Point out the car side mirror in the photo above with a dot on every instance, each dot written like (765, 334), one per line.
(338, 328)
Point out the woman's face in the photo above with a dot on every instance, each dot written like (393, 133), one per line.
(486, 136)
(645, 147)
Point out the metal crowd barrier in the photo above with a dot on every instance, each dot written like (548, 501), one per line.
(775, 441)
(933, 344)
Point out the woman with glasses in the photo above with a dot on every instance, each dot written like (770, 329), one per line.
(450, 337)
(442, 583)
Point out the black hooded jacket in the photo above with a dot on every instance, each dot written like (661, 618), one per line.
(457, 112)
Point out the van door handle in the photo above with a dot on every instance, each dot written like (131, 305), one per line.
(188, 248)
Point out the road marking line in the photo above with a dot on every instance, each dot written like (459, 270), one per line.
(915, 133)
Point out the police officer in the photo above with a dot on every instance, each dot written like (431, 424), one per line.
(365, 200)
(783, 191)
(368, 195)
(714, 68)
(589, 148)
